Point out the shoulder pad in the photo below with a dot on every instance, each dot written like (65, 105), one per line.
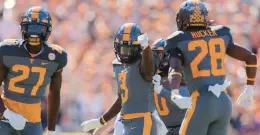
(11, 42)
(174, 35)
(220, 27)
(116, 62)
(172, 40)
(57, 48)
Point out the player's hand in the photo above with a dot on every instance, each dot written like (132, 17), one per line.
(157, 83)
(16, 120)
(91, 124)
(51, 133)
(180, 101)
(246, 99)
(143, 41)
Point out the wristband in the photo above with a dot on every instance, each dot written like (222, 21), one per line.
(251, 66)
(251, 79)
(175, 73)
(103, 120)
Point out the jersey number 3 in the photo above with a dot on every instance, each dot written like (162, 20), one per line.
(25, 75)
(215, 56)
(123, 87)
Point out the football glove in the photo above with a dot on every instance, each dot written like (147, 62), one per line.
(51, 133)
(16, 120)
(143, 40)
(157, 83)
(246, 99)
(180, 101)
(91, 124)
(217, 89)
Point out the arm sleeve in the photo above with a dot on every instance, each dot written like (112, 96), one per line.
(63, 60)
(172, 41)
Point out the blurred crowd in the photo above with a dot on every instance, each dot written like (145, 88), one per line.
(85, 28)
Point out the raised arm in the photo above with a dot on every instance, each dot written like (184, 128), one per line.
(147, 64)
(147, 67)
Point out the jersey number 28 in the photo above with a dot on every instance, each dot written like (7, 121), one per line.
(215, 56)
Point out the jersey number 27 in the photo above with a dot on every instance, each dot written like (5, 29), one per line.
(215, 57)
(25, 75)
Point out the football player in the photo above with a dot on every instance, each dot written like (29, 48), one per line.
(133, 70)
(203, 50)
(170, 114)
(27, 66)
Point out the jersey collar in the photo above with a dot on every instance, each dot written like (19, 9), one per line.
(32, 55)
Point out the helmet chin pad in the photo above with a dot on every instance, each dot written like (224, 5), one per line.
(34, 33)
(34, 41)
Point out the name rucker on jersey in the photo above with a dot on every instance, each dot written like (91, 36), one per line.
(28, 76)
(203, 56)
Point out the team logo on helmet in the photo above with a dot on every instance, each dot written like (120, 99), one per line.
(197, 18)
(51, 56)
(192, 13)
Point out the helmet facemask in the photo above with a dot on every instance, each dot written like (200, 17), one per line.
(127, 54)
(35, 34)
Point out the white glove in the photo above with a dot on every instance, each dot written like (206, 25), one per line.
(180, 101)
(16, 120)
(246, 99)
(161, 128)
(51, 132)
(217, 89)
(143, 41)
(157, 83)
(91, 124)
